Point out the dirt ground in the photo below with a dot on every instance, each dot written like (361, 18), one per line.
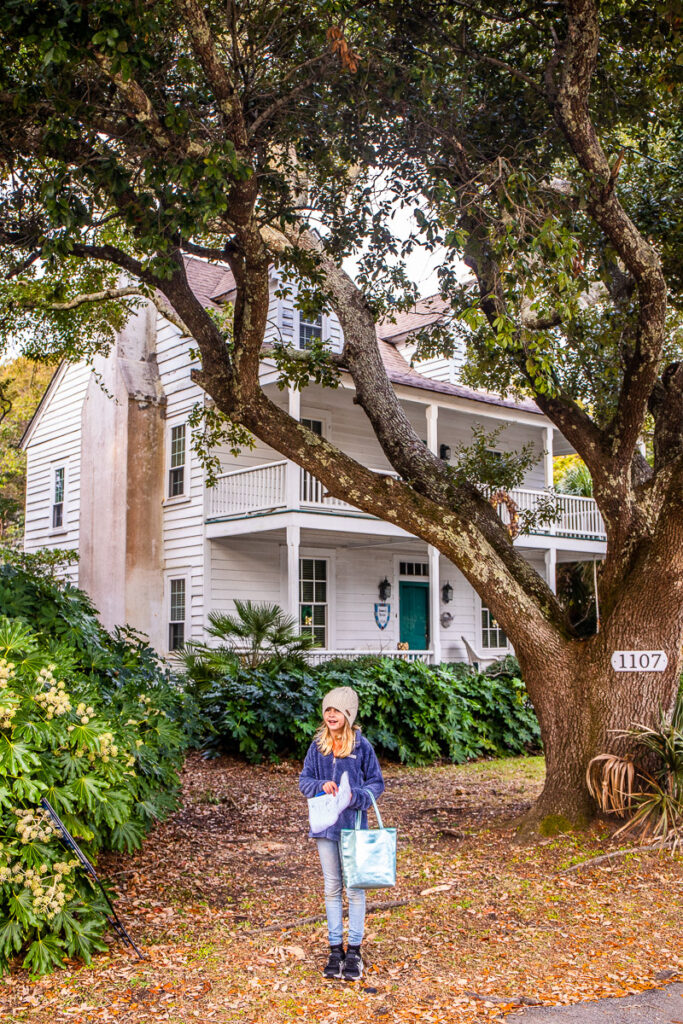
(482, 925)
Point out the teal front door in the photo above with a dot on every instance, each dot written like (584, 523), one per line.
(413, 600)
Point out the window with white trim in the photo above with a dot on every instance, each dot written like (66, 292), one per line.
(313, 605)
(58, 496)
(177, 460)
(492, 635)
(310, 331)
(177, 592)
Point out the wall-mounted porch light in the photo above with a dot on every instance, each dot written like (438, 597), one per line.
(447, 593)
(444, 452)
(384, 590)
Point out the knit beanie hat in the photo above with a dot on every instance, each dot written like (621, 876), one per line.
(343, 699)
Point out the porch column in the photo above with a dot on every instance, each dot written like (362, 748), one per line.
(293, 472)
(548, 457)
(434, 604)
(293, 541)
(432, 423)
(551, 569)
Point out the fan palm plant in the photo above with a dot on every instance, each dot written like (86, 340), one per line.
(255, 634)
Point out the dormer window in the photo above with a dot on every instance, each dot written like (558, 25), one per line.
(310, 331)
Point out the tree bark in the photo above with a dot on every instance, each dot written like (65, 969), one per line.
(581, 702)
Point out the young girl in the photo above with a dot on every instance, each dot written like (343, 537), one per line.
(339, 747)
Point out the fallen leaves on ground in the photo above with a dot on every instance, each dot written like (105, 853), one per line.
(487, 925)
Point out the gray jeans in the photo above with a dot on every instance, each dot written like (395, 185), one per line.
(330, 860)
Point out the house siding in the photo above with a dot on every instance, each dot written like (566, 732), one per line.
(56, 439)
(183, 519)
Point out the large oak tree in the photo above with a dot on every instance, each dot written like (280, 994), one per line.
(133, 133)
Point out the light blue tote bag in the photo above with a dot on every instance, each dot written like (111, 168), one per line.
(368, 855)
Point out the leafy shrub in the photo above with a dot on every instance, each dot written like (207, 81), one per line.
(86, 720)
(409, 711)
(648, 790)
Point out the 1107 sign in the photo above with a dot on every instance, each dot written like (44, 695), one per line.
(639, 661)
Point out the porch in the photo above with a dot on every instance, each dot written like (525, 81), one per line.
(282, 486)
(360, 593)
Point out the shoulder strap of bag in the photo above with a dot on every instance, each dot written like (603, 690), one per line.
(377, 814)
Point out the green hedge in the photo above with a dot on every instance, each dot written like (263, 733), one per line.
(409, 711)
(89, 720)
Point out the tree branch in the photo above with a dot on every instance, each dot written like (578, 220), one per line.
(138, 102)
(283, 100)
(214, 69)
(111, 294)
(462, 507)
(570, 105)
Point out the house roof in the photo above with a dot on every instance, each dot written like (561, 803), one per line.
(208, 281)
(49, 390)
(211, 282)
(400, 371)
(424, 313)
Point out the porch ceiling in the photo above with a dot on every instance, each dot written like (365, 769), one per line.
(313, 537)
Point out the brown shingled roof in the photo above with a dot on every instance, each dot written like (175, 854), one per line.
(400, 371)
(424, 313)
(208, 281)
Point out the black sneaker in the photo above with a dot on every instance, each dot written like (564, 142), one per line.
(335, 962)
(353, 964)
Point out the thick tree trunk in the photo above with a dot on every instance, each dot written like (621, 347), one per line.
(581, 700)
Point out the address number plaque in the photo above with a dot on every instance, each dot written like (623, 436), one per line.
(639, 661)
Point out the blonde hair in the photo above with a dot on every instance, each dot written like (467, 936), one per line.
(323, 739)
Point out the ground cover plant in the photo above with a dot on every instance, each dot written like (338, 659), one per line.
(410, 711)
(86, 720)
(485, 921)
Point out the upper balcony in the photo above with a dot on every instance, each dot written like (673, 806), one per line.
(258, 490)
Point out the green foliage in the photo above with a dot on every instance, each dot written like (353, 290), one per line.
(22, 384)
(412, 712)
(481, 462)
(258, 633)
(88, 720)
(657, 808)
(211, 430)
(576, 479)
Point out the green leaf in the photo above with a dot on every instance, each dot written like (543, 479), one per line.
(43, 955)
(16, 757)
(11, 936)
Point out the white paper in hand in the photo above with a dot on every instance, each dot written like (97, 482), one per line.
(324, 810)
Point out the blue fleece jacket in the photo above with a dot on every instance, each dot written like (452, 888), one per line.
(365, 777)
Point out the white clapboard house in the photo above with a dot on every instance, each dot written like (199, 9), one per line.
(111, 474)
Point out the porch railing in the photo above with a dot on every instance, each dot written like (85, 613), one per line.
(318, 655)
(263, 488)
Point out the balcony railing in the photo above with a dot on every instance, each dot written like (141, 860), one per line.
(579, 517)
(259, 489)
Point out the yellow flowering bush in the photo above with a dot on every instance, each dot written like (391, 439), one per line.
(105, 756)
